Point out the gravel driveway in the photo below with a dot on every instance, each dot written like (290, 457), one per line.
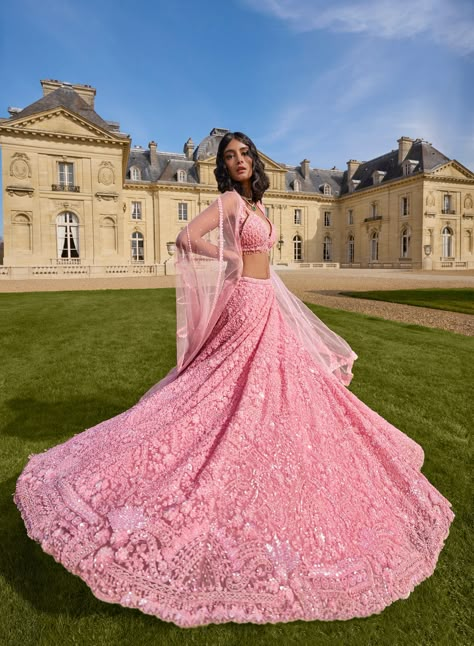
(319, 286)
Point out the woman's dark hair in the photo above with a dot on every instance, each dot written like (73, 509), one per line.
(259, 181)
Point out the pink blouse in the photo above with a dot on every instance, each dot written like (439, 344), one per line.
(255, 234)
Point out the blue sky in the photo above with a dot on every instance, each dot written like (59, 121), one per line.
(328, 81)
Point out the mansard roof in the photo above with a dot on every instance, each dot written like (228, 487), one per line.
(422, 152)
(316, 180)
(209, 145)
(165, 168)
(67, 97)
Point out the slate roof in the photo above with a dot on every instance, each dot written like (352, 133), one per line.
(316, 180)
(209, 145)
(165, 169)
(421, 151)
(67, 97)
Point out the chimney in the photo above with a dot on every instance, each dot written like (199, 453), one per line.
(352, 166)
(305, 168)
(188, 149)
(404, 145)
(87, 92)
(153, 156)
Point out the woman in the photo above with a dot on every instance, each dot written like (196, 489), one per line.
(249, 485)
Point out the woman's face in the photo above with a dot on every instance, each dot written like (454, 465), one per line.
(238, 161)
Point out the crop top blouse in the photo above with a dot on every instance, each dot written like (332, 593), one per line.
(256, 235)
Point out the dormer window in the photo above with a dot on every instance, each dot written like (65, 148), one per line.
(326, 189)
(181, 175)
(297, 185)
(135, 173)
(353, 185)
(409, 166)
(377, 176)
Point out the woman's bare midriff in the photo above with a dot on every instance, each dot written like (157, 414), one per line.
(256, 265)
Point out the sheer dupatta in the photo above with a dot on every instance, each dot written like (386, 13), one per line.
(325, 346)
(208, 268)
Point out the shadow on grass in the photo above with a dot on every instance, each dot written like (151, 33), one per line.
(31, 419)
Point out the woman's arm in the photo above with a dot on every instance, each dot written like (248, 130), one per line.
(190, 239)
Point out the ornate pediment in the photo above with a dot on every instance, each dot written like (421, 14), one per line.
(453, 169)
(62, 123)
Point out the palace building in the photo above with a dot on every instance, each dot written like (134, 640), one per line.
(79, 199)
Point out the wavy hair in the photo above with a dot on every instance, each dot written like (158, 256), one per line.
(259, 181)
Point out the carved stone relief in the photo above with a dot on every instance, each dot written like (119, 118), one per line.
(106, 174)
(20, 166)
(468, 202)
(430, 200)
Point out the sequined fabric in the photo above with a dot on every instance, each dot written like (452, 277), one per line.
(255, 234)
(253, 488)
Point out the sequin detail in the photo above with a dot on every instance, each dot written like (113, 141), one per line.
(255, 234)
(253, 488)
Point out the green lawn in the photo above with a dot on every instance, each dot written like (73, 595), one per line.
(72, 359)
(454, 300)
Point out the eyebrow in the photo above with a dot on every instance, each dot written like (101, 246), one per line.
(240, 148)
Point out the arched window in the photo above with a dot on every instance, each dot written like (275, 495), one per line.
(297, 248)
(327, 189)
(67, 235)
(405, 243)
(327, 248)
(135, 173)
(181, 175)
(137, 247)
(374, 246)
(297, 185)
(447, 242)
(350, 248)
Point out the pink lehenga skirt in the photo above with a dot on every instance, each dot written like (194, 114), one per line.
(253, 488)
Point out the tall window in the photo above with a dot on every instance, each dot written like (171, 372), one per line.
(135, 173)
(447, 242)
(447, 203)
(350, 249)
(182, 211)
(181, 175)
(67, 235)
(137, 246)
(327, 218)
(66, 174)
(297, 216)
(327, 248)
(297, 185)
(267, 211)
(374, 246)
(373, 210)
(136, 210)
(327, 189)
(297, 248)
(405, 243)
(405, 206)
(350, 216)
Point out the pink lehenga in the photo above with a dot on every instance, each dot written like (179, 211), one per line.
(249, 485)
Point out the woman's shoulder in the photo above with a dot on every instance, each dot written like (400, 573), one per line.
(232, 202)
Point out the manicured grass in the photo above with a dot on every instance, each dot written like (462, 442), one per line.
(72, 359)
(454, 300)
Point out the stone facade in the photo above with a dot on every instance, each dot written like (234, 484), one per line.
(78, 199)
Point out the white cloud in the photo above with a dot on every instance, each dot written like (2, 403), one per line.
(445, 22)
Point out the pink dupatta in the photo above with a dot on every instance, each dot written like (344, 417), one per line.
(208, 268)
